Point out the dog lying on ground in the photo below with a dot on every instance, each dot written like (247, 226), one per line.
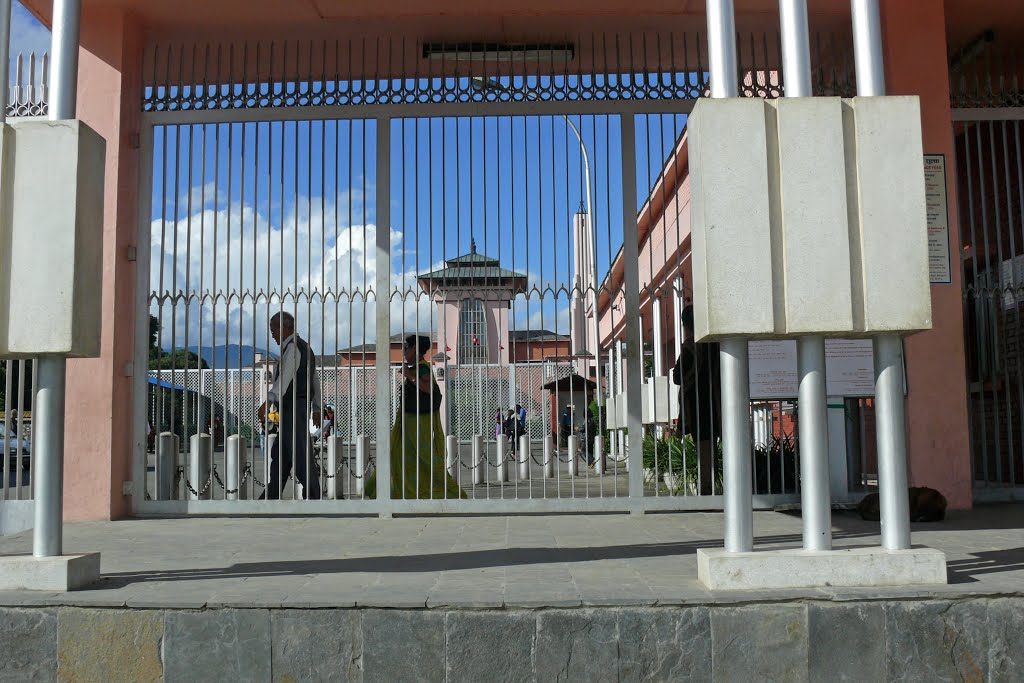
(926, 505)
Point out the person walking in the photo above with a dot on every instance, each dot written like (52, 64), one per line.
(700, 414)
(296, 392)
(417, 440)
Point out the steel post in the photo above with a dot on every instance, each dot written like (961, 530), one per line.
(889, 408)
(739, 511)
(814, 481)
(814, 491)
(739, 514)
(49, 400)
(5, 58)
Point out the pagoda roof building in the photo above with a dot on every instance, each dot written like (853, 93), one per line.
(473, 270)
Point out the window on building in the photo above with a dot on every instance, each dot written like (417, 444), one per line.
(472, 333)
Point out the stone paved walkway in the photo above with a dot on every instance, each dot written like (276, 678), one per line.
(482, 562)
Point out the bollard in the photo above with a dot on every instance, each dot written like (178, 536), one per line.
(524, 457)
(236, 455)
(334, 446)
(479, 459)
(615, 447)
(574, 461)
(362, 455)
(200, 461)
(271, 441)
(549, 457)
(500, 447)
(600, 462)
(452, 457)
(167, 467)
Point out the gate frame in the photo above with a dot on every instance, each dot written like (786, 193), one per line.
(985, 493)
(636, 502)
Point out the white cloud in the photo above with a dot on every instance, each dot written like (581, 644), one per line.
(235, 253)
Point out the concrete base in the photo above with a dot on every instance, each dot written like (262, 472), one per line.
(64, 573)
(721, 570)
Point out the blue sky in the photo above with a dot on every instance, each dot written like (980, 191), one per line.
(27, 34)
(513, 184)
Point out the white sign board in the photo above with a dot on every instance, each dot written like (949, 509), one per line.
(938, 218)
(849, 368)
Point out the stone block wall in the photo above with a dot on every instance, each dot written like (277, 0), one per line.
(870, 640)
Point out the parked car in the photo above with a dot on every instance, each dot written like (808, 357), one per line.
(11, 445)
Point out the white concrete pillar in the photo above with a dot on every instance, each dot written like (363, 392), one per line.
(167, 449)
(549, 457)
(362, 457)
(574, 442)
(524, 457)
(600, 462)
(200, 462)
(479, 459)
(452, 457)
(500, 448)
(334, 448)
(236, 456)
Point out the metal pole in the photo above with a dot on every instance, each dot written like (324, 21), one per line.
(814, 481)
(5, 56)
(815, 500)
(48, 413)
(49, 401)
(382, 294)
(739, 511)
(739, 514)
(867, 48)
(894, 506)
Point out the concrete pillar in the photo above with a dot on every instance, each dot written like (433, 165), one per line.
(334, 448)
(167, 448)
(574, 461)
(452, 457)
(600, 461)
(100, 410)
(479, 459)
(524, 457)
(362, 458)
(236, 457)
(200, 462)
(938, 445)
(549, 457)
(500, 448)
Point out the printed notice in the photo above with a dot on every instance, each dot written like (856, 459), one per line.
(938, 218)
(849, 369)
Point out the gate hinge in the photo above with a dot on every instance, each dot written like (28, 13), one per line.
(128, 488)
(134, 141)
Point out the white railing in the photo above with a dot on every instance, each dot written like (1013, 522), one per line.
(29, 87)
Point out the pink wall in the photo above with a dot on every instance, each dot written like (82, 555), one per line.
(937, 438)
(99, 411)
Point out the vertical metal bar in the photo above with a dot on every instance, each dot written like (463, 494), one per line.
(5, 60)
(891, 425)
(739, 519)
(142, 294)
(382, 299)
(817, 517)
(49, 401)
(633, 351)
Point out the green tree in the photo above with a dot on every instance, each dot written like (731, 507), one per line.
(179, 359)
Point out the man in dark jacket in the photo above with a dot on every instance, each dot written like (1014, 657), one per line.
(296, 389)
(700, 391)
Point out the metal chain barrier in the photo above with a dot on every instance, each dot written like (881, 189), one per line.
(206, 487)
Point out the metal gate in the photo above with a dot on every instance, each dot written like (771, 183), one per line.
(990, 169)
(474, 196)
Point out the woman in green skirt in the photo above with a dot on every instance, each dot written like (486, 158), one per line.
(417, 440)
